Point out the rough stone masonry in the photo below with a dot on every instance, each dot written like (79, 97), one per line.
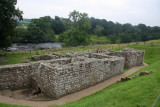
(63, 74)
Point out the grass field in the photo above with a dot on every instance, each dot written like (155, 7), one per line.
(99, 40)
(139, 92)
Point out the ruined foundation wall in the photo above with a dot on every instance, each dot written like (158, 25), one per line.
(44, 79)
(79, 75)
(132, 57)
(68, 73)
(43, 57)
(15, 76)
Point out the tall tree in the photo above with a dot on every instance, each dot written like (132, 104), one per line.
(8, 15)
(143, 32)
(58, 25)
(79, 26)
(19, 35)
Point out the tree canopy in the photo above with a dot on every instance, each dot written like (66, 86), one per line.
(78, 28)
(8, 15)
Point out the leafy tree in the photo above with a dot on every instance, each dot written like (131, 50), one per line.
(77, 34)
(34, 34)
(39, 30)
(98, 30)
(19, 35)
(143, 32)
(58, 25)
(114, 39)
(8, 15)
(125, 37)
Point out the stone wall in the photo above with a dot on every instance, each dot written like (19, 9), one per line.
(43, 57)
(132, 57)
(64, 74)
(66, 78)
(15, 76)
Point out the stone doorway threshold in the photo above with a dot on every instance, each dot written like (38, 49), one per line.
(74, 96)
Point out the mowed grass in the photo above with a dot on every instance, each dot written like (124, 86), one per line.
(9, 105)
(139, 92)
(15, 59)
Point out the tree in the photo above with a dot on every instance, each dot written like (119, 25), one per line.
(98, 31)
(58, 25)
(79, 26)
(39, 30)
(8, 15)
(19, 35)
(143, 32)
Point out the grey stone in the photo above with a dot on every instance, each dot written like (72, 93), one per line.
(61, 74)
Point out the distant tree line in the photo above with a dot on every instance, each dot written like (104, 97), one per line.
(73, 31)
(76, 30)
(39, 30)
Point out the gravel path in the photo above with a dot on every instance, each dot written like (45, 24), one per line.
(74, 96)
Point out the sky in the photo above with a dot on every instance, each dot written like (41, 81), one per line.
(122, 11)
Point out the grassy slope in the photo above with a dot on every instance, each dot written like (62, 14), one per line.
(139, 92)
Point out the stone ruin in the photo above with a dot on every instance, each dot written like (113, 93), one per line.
(61, 74)
(132, 57)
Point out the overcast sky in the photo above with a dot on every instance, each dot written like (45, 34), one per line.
(122, 11)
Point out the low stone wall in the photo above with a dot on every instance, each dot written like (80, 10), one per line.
(63, 79)
(132, 57)
(50, 57)
(15, 76)
(43, 57)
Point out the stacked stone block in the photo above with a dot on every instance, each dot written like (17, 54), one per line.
(132, 57)
(64, 74)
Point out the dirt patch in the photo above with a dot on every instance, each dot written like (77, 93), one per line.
(24, 94)
(42, 101)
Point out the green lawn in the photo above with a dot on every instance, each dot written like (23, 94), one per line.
(8, 105)
(139, 92)
(15, 59)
